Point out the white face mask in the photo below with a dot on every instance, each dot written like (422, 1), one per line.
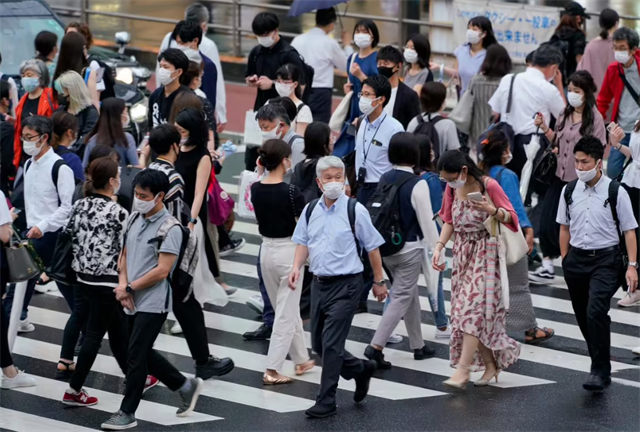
(411, 56)
(266, 41)
(509, 158)
(366, 105)
(272, 134)
(574, 99)
(362, 40)
(143, 207)
(622, 56)
(333, 190)
(117, 187)
(184, 140)
(284, 90)
(587, 176)
(31, 147)
(457, 183)
(125, 123)
(289, 169)
(164, 77)
(473, 36)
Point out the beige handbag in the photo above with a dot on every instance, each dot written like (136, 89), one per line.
(339, 116)
(514, 242)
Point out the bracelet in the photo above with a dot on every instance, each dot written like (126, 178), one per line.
(496, 212)
(439, 242)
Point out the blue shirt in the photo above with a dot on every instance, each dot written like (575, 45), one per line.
(468, 65)
(328, 235)
(372, 146)
(209, 79)
(72, 160)
(509, 182)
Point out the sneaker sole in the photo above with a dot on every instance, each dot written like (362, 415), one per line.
(329, 414)
(629, 305)
(78, 404)
(27, 330)
(194, 399)
(218, 373)
(116, 427)
(175, 332)
(541, 280)
(443, 336)
(146, 389)
(234, 250)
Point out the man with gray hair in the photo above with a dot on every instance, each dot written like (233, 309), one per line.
(208, 48)
(331, 232)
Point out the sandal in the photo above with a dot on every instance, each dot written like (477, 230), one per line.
(531, 336)
(269, 380)
(65, 374)
(304, 367)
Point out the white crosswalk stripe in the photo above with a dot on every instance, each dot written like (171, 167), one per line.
(23, 422)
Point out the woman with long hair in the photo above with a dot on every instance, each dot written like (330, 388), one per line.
(288, 85)
(73, 57)
(278, 206)
(569, 31)
(478, 338)
(580, 118)
(496, 154)
(417, 53)
(109, 131)
(65, 134)
(46, 44)
(74, 98)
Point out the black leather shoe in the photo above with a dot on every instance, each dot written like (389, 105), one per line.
(363, 380)
(423, 353)
(321, 411)
(373, 354)
(214, 367)
(362, 308)
(263, 333)
(596, 383)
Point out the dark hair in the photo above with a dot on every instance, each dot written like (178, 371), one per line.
(496, 144)
(290, 72)
(45, 43)
(584, 81)
(41, 124)
(71, 56)
(591, 146)
(452, 161)
(497, 62)
(5, 89)
(324, 17)
(529, 58)
(404, 149)
(568, 21)
(62, 122)
(273, 152)
(109, 131)
(316, 139)
(264, 22)
(193, 120)
(421, 46)
(163, 137)
(608, 20)
(425, 145)
(627, 34)
(274, 111)
(547, 55)
(484, 24)
(432, 96)
(381, 86)
(188, 31)
(152, 180)
(390, 53)
(175, 57)
(371, 27)
(101, 151)
(99, 173)
(185, 99)
(194, 71)
(84, 30)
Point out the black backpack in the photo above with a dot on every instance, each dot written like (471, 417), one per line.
(428, 128)
(563, 46)
(306, 184)
(500, 125)
(108, 78)
(351, 213)
(384, 208)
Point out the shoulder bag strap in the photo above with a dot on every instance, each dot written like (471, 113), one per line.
(513, 78)
(312, 205)
(351, 213)
(628, 86)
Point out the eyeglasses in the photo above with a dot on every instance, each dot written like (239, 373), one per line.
(367, 95)
(30, 138)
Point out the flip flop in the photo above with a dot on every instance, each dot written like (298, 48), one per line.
(548, 334)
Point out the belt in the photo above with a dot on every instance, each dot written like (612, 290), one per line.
(595, 252)
(331, 279)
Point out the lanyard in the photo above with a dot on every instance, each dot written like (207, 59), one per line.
(364, 141)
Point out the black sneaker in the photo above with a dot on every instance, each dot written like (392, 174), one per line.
(263, 333)
(321, 411)
(232, 247)
(363, 380)
(596, 383)
(373, 354)
(423, 353)
(214, 367)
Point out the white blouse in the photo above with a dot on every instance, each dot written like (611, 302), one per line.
(632, 173)
(304, 116)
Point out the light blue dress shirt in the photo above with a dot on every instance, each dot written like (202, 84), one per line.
(328, 235)
(373, 140)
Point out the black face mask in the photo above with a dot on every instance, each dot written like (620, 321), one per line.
(63, 100)
(386, 72)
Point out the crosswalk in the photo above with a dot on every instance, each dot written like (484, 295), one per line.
(241, 397)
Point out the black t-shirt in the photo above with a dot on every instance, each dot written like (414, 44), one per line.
(30, 107)
(160, 105)
(277, 206)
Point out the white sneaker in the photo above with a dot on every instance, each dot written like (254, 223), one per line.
(43, 289)
(443, 334)
(394, 339)
(636, 351)
(176, 329)
(20, 380)
(25, 326)
(256, 303)
(542, 276)
(631, 299)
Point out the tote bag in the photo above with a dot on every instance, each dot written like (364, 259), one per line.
(462, 113)
(220, 204)
(339, 116)
(514, 242)
(22, 259)
(245, 206)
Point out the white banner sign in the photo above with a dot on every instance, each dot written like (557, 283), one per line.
(519, 28)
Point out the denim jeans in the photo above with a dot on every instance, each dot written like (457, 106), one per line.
(268, 313)
(616, 159)
(440, 317)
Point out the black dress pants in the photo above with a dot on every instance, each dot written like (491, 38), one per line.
(320, 104)
(592, 278)
(191, 318)
(333, 304)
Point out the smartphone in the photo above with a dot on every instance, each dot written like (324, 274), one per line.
(475, 196)
(16, 211)
(610, 126)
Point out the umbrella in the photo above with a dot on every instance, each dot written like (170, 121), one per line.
(531, 151)
(303, 6)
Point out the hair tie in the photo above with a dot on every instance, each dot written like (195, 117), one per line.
(485, 141)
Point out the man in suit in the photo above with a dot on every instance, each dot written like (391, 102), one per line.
(404, 104)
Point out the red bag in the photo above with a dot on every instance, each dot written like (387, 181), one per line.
(220, 204)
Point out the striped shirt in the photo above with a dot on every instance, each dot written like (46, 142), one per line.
(174, 200)
(482, 88)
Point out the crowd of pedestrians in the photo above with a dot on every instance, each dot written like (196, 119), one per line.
(360, 212)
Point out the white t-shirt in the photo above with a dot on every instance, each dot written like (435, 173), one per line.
(94, 66)
(392, 101)
(304, 116)
(5, 217)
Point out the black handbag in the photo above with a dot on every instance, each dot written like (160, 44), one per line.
(545, 168)
(22, 259)
(125, 194)
(60, 269)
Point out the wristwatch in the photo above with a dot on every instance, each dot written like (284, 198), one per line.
(193, 221)
(380, 283)
(633, 264)
(129, 289)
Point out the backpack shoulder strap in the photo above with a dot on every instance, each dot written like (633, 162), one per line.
(614, 188)
(568, 196)
(302, 105)
(513, 78)
(351, 213)
(359, 122)
(54, 175)
(293, 138)
(132, 219)
(312, 205)
(166, 226)
(420, 119)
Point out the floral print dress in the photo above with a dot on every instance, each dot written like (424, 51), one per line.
(476, 306)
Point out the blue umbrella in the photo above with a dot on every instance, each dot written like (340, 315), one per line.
(303, 6)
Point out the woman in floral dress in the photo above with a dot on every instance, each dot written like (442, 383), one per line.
(478, 340)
